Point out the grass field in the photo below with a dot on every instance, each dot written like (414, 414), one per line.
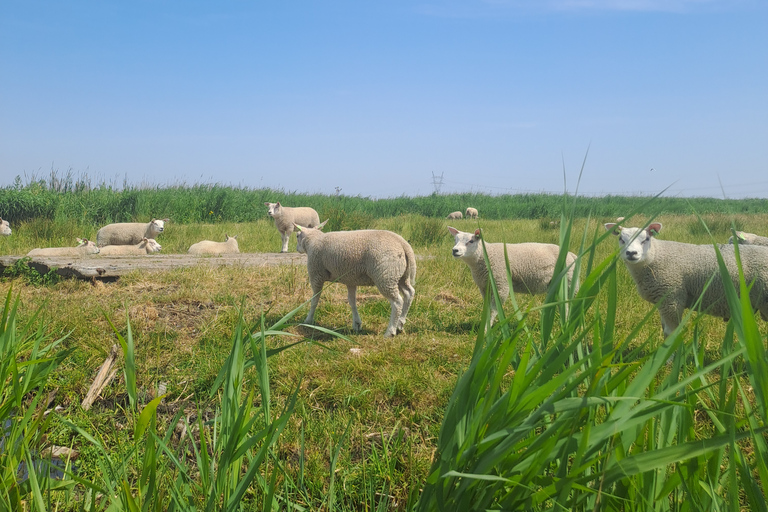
(367, 430)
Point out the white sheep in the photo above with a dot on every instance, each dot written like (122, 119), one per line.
(208, 247)
(146, 246)
(84, 248)
(5, 228)
(287, 217)
(361, 258)
(129, 233)
(619, 219)
(471, 213)
(531, 265)
(749, 239)
(673, 275)
(455, 215)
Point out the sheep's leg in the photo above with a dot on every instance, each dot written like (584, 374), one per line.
(408, 293)
(286, 236)
(357, 324)
(316, 290)
(670, 319)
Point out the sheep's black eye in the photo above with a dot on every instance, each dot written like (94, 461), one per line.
(470, 242)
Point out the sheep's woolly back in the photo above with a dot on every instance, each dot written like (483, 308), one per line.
(208, 247)
(146, 246)
(5, 228)
(455, 215)
(84, 248)
(129, 233)
(749, 239)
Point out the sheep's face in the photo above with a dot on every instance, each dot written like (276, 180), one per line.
(634, 243)
(273, 209)
(466, 243)
(157, 226)
(151, 245)
(5, 228)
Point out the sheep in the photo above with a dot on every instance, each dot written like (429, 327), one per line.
(146, 246)
(471, 213)
(361, 258)
(129, 233)
(286, 217)
(674, 275)
(208, 247)
(531, 265)
(749, 239)
(619, 219)
(5, 228)
(84, 247)
(454, 216)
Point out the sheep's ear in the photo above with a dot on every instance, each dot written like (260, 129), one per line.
(613, 228)
(80, 241)
(740, 235)
(166, 220)
(478, 234)
(277, 203)
(322, 224)
(145, 239)
(453, 231)
(654, 228)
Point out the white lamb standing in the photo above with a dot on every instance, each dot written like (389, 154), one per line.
(5, 228)
(531, 265)
(287, 217)
(146, 246)
(208, 247)
(673, 275)
(471, 213)
(361, 258)
(129, 233)
(749, 239)
(455, 215)
(84, 247)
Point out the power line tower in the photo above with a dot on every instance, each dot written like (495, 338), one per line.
(437, 182)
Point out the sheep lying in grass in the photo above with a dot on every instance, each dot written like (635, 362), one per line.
(287, 217)
(454, 216)
(146, 246)
(129, 233)
(5, 228)
(673, 275)
(207, 247)
(749, 239)
(84, 248)
(531, 265)
(471, 213)
(361, 258)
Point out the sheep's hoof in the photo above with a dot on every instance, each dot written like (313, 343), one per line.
(357, 326)
(283, 252)
(389, 334)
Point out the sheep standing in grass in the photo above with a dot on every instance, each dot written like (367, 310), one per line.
(674, 275)
(287, 217)
(146, 246)
(84, 248)
(454, 216)
(129, 233)
(5, 228)
(361, 258)
(471, 213)
(531, 265)
(749, 239)
(211, 248)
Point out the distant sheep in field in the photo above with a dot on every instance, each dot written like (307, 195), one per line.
(84, 248)
(619, 219)
(455, 216)
(208, 247)
(471, 213)
(749, 239)
(5, 228)
(129, 233)
(146, 246)
(286, 217)
(361, 258)
(531, 265)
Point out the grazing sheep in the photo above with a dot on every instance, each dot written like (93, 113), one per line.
(208, 247)
(471, 213)
(531, 265)
(129, 233)
(361, 258)
(673, 275)
(749, 239)
(5, 228)
(84, 248)
(454, 216)
(146, 246)
(286, 217)
(619, 219)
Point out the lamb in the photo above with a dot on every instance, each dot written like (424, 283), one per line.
(84, 247)
(471, 213)
(208, 247)
(531, 265)
(749, 239)
(129, 233)
(287, 217)
(146, 246)
(673, 275)
(5, 228)
(454, 216)
(361, 258)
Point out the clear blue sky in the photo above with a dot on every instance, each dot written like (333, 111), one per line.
(375, 97)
